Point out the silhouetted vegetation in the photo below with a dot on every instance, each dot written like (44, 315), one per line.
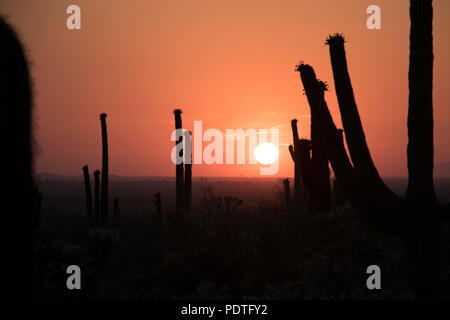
(188, 175)
(416, 219)
(312, 193)
(104, 186)
(97, 197)
(222, 246)
(300, 158)
(87, 187)
(179, 202)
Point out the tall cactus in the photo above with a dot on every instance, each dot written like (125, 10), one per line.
(312, 189)
(97, 197)
(301, 155)
(320, 192)
(87, 189)
(295, 153)
(418, 218)
(179, 195)
(19, 192)
(423, 230)
(17, 101)
(188, 175)
(104, 187)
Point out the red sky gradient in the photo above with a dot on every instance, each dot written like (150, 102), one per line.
(228, 63)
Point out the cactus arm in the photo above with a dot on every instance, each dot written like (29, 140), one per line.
(294, 131)
(291, 151)
(378, 214)
(355, 137)
(356, 140)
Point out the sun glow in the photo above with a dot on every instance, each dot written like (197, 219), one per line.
(266, 153)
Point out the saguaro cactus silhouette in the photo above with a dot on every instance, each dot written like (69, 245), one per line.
(179, 197)
(320, 192)
(19, 192)
(87, 189)
(422, 232)
(96, 197)
(188, 174)
(299, 199)
(16, 96)
(312, 175)
(417, 218)
(104, 187)
(17, 101)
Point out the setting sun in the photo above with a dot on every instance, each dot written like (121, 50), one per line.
(266, 153)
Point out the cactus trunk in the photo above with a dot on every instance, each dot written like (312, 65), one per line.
(287, 194)
(299, 203)
(338, 195)
(87, 189)
(423, 230)
(320, 192)
(355, 137)
(16, 125)
(179, 192)
(104, 186)
(188, 175)
(19, 191)
(97, 197)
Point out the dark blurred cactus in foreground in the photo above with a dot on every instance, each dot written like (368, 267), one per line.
(104, 186)
(179, 197)
(417, 219)
(19, 193)
(88, 193)
(96, 198)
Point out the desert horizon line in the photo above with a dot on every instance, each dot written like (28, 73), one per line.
(40, 174)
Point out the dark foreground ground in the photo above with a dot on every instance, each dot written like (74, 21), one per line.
(223, 249)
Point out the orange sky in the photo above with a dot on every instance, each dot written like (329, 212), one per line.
(228, 63)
